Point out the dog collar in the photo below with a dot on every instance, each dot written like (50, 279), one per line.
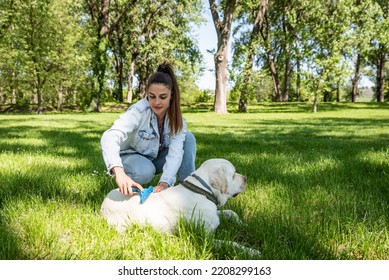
(199, 190)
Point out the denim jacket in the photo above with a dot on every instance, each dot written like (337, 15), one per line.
(136, 131)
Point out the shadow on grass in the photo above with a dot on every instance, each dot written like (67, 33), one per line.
(55, 161)
(321, 176)
(294, 158)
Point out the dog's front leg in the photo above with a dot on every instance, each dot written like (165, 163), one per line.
(230, 215)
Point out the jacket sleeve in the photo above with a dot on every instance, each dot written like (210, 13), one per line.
(112, 139)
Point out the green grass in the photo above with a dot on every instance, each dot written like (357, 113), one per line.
(318, 186)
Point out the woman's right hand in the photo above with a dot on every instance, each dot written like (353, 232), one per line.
(124, 182)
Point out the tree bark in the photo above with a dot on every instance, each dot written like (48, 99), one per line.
(286, 86)
(298, 69)
(380, 76)
(223, 31)
(130, 80)
(338, 91)
(355, 80)
(39, 95)
(315, 103)
(274, 75)
(244, 95)
(60, 97)
(119, 76)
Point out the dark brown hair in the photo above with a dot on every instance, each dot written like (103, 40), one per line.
(165, 76)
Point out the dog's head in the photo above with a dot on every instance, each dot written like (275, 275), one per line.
(222, 176)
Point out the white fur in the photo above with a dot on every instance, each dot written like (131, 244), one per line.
(164, 209)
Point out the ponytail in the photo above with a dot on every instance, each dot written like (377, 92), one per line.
(165, 76)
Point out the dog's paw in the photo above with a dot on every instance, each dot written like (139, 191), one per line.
(230, 215)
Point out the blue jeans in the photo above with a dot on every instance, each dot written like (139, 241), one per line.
(142, 170)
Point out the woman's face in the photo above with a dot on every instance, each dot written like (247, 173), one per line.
(159, 97)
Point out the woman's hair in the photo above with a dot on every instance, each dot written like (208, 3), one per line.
(165, 76)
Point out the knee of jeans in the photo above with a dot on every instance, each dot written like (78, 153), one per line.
(144, 175)
(190, 139)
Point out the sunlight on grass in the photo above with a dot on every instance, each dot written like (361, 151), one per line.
(317, 186)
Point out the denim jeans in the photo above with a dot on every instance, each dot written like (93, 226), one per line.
(142, 170)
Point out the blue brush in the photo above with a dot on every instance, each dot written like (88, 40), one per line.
(143, 194)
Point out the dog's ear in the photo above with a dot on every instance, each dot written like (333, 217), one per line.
(218, 179)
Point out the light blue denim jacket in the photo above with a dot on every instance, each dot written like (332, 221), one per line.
(136, 131)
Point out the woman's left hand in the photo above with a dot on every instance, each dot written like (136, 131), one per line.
(161, 187)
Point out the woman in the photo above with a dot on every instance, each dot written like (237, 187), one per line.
(150, 138)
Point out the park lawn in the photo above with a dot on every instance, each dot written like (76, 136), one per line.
(318, 185)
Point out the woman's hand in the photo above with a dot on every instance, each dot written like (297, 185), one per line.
(124, 182)
(161, 186)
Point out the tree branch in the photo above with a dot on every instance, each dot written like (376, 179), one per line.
(215, 16)
(108, 29)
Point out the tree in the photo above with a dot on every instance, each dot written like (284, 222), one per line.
(363, 19)
(44, 55)
(255, 13)
(328, 44)
(103, 25)
(224, 9)
(69, 80)
(162, 32)
(381, 48)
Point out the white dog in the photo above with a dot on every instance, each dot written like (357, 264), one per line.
(196, 200)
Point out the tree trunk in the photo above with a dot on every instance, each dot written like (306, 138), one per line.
(285, 91)
(315, 103)
(338, 91)
(285, 95)
(274, 75)
(220, 104)
(380, 76)
(119, 76)
(298, 66)
(60, 98)
(99, 65)
(142, 88)
(244, 96)
(99, 12)
(130, 80)
(223, 31)
(270, 60)
(252, 46)
(355, 80)
(39, 95)
(14, 98)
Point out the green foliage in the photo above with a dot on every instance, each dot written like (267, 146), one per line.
(153, 32)
(323, 37)
(58, 54)
(44, 52)
(54, 52)
(204, 96)
(260, 88)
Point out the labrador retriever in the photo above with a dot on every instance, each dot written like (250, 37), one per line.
(196, 199)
